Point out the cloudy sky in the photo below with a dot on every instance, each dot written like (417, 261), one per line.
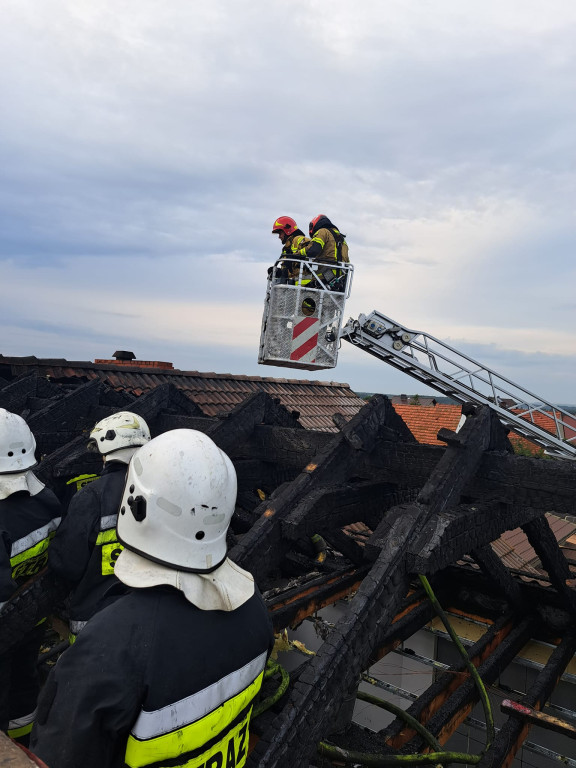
(146, 149)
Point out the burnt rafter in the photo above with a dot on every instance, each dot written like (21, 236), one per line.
(164, 397)
(546, 547)
(398, 734)
(319, 692)
(432, 509)
(492, 567)
(66, 411)
(291, 605)
(549, 485)
(335, 506)
(513, 733)
(239, 423)
(459, 705)
(14, 395)
(264, 544)
(454, 533)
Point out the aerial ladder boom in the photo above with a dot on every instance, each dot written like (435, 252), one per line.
(302, 326)
(458, 376)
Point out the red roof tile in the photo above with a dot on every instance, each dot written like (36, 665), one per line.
(424, 421)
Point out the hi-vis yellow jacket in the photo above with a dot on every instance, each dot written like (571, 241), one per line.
(27, 525)
(323, 247)
(293, 247)
(153, 681)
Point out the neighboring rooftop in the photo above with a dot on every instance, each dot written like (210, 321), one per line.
(215, 393)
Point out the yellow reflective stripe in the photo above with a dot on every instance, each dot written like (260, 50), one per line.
(105, 537)
(20, 726)
(194, 736)
(16, 733)
(78, 478)
(318, 240)
(37, 549)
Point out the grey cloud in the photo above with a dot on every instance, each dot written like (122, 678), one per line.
(143, 136)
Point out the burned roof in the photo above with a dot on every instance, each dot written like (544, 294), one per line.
(422, 510)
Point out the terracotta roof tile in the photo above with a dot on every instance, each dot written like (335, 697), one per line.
(513, 546)
(424, 421)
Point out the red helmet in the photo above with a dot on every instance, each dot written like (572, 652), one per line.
(284, 224)
(314, 222)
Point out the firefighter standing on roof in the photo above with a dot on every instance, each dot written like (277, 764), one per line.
(29, 515)
(85, 548)
(293, 240)
(167, 674)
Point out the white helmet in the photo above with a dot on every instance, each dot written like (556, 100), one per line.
(121, 430)
(17, 444)
(178, 501)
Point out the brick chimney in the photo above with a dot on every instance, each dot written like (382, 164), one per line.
(123, 357)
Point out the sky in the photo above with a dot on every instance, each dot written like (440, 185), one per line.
(147, 148)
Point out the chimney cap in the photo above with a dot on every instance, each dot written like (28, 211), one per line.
(124, 355)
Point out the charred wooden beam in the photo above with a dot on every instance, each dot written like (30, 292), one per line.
(278, 415)
(167, 421)
(474, 592)
(455, 533)
(290, 447)
(318, 694)
(264, 545)
(344, 544)
(67, 411)
(513, 733)
(334, 506)
(531, 715)
(494, 569)
(398, 734)
(448, 717)
(163, 398)
(441, 490)
(546, 547)
(290, 607)
(409, 620)
(548, 485)
(14, 396)
(237, 425)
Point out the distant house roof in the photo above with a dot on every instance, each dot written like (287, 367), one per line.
(215, 393)
(413, 399)
(424, 421)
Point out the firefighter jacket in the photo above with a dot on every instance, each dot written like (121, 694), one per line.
(292, 247)
(85, 549)
(27, 525)
(324, 248)
(154, 681)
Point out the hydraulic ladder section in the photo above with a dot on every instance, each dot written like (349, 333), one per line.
(442, 367)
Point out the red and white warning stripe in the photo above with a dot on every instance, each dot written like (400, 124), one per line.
(305, 340)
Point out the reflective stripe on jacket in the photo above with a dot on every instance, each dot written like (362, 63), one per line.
(27, 525)
(221, 710)
(154, 681)
(323, 247)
